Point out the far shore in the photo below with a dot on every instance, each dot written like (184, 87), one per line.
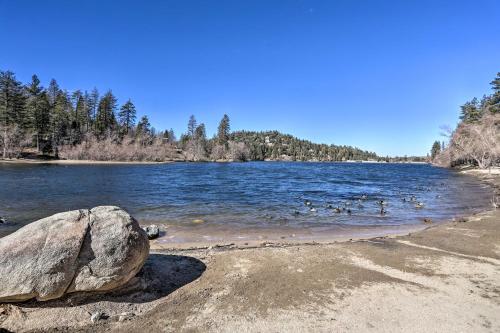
(74, 162)
(93, 162)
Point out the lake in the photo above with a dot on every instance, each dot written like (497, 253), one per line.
(214, 200)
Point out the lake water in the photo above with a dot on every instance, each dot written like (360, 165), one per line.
(243, 199)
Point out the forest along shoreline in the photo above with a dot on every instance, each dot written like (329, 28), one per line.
(354, 285)
(491, 177)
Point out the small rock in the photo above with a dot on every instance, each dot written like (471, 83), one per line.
(198, 221)
(462, 219)
(125, 316)
(96, 316)
(427, 220)
(152, 231)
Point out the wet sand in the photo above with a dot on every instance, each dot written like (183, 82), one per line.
(443, 278)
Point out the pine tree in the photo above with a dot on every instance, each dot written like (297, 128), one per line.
(127, 116)
(92, 105)
(495, 98)
(38, 110)
(42, 119)
(223, 131)
(60, 120)
(12, 106)
(496, 83)
(200, 133)
(105, 118)
(191, 126)
(143, 126)
(52, 91)
(471, 111)
(171, 136)
(435, 150)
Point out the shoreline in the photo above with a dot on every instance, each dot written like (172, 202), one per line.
(97, 162)
(76, 162)
(379, 284)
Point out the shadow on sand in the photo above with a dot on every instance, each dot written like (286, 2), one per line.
(161, 275)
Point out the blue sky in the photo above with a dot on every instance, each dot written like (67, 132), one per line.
(380, 75)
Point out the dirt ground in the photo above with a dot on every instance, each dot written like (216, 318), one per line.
(442, 279)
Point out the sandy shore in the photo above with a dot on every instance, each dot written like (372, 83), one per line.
(445, 278)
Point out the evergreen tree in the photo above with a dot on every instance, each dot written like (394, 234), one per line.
(127, 116)
(92, 106)
(38, 110)
(496, 83)
(191, 126)
(143, 126)
(495, 98)
(170, 135)
(105, 118)
(471, 111)
(223, 131)
(52, 91)
(200, 133)
(435, 150)
(60, 120)
(12, 106)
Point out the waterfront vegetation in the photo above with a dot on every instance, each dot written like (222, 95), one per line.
(81, 125)
(476, 139)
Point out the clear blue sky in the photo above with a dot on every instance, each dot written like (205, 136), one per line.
(380, 75)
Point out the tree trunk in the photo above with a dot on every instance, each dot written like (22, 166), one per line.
(5, 143)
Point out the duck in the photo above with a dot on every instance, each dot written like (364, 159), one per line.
(349, 211)
(382, 211)
(3, 220)
(419, 205)
(308, 203)
(382, 203)
(312, 209)
(338, 210)
(329, 206)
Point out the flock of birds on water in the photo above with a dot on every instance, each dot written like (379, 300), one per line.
(346, 206)
(349, 206)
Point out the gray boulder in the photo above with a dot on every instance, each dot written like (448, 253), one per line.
(79, 251)
(152, 231)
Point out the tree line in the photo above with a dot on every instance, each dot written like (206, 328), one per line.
(476, 139)
(52, 122)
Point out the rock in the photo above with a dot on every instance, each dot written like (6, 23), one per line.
(152, 231)
(83, 250)
(427, 220)
(125, 316)
(96, 316)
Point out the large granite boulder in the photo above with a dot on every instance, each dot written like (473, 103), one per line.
(79, 251)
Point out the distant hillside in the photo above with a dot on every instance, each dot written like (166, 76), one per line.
(273, 145)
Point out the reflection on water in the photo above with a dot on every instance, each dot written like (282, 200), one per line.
(243, 195)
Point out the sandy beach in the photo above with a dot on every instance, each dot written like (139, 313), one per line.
(443, 278)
